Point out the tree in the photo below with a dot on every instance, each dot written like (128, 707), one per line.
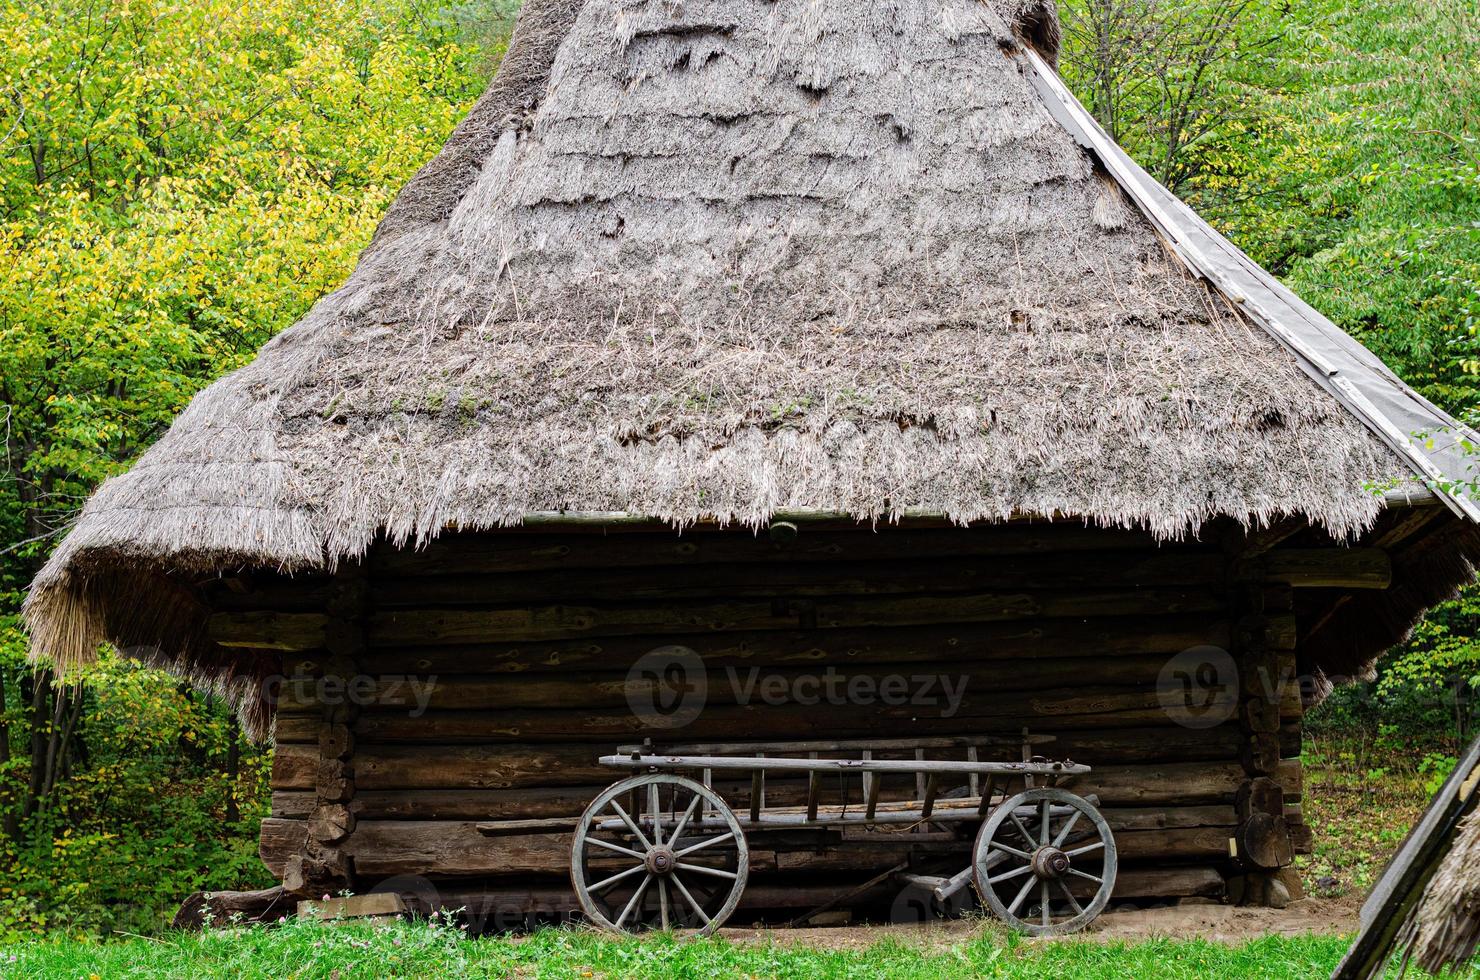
(1162, 75)
(178, 182)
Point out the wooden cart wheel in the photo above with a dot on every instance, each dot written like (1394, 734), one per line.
(1045, 862)
(658, 851)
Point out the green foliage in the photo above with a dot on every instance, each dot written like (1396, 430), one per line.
(1358, 180)
(178, 182)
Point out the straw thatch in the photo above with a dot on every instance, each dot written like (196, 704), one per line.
(707, 260)
(1448, 919)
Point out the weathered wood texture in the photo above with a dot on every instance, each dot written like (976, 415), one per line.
(496, 669)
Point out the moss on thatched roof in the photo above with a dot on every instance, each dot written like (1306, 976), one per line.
(720, 258)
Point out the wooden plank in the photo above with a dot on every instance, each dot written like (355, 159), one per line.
(548, 622)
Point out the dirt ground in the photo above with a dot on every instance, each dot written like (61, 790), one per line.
(1220, 923)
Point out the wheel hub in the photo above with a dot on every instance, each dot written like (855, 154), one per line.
(1050, 862)
(660, 860)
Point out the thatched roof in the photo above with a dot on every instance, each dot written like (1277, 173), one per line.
(1447, 927)
(718, 258)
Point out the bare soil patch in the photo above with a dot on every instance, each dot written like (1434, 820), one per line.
(1218, 923)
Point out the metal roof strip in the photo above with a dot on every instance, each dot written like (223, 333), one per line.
(1432, 441)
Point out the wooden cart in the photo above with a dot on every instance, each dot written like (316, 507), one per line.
(661, 849)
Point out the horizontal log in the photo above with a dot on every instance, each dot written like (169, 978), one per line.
(548, 622)
(920, 684)
(1336, 568)
(202, 910)
(1036, 639)
(1059, 711)
(550, 766)
(457, 849)
(495, 553)
(269, 630)
(1063, 571)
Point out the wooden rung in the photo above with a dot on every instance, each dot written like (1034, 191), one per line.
(932, 783)
(814, 791)
(919, 776)
(757, 791)
(871, 783)
(986, 803)
(972, 780)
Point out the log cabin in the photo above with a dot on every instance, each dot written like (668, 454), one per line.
(815, 338)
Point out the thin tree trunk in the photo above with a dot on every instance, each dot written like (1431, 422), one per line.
(233, 769)
(11, 823)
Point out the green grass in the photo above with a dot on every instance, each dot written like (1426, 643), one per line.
(345, 951)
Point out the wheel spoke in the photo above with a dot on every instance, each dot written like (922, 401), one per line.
(1044, 827)
(703, 844)
(684, 891)
(1027, 837)
(614, 847)
(1014, 873)
(1098, 845)
(1017, 902)
(1064, 833)
(684, 820)
(636, 830)
(999, 846)
(1087, 877)
(1043, 912)
(632, 902)
(608, 882)
(663, 903)
(1073, 902)
(700, 869)
(654, 811)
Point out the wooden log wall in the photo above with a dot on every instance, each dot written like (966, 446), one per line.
(491, 670)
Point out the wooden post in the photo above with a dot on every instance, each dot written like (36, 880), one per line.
(1261, 844)
(325, 866)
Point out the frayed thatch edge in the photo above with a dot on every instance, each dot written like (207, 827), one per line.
(1447, 922)
(1429, 572)
(153, 617)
